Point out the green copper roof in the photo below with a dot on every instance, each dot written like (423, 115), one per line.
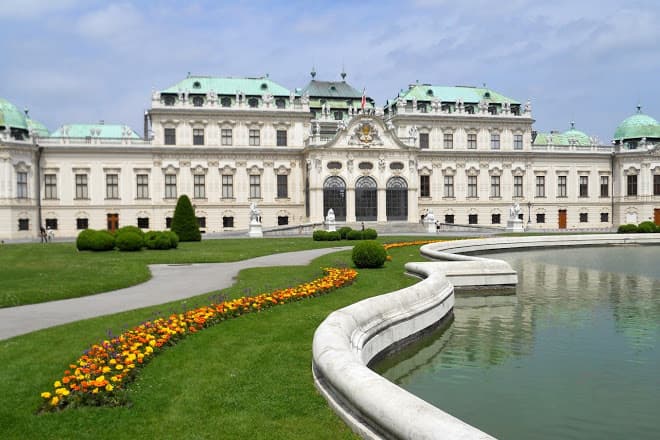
(637, 126)
(40, 129)
(331, 89)
(228, 86)
(111, 131)
(10, 116)
(427, 92)
(579, 137)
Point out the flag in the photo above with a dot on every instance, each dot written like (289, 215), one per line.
(364, 99)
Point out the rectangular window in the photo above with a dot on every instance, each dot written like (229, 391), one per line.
(495, 141)
(540, 218)
(604, 217)
(517, 142)
(143, 222)
(584, 217)
(449, 186)
(605, 185)
(339, 116)
(495, 186)
(561, 186)
(473, 219)
(656, 184)
(282, 220)
(495, 219)
(227, 222)
(255, 138)
(227, 186)
(170, 136)
(81, 186)
(472, 186)
(23, 224)
(423, 140)
(21, 185)
(472, 141)
(199, 186)
(198, 136)
(584, 186)
(540, 186)
(82, 223)
(201, 222)
(517, 186)
(51, 223)
(425, 186)
(281, 138)
(168, 222)
(632, 185)
(226, 136)
(50, 187)
(170, 186)
(449, 218)
(142, 181)
(111, 186)
(282, 186)
(255, 187)
(448, 140)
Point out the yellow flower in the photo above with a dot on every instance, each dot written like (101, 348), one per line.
(119, 367)
(109, 387)
(106, 369)
(57, 384)
(54, 401)
(45, 395)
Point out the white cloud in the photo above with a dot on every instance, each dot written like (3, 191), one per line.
(30, 9)
(115, 21)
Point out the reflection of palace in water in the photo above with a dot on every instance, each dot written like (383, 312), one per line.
(490, 330)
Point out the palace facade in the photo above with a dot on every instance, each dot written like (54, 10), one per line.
(466, 153)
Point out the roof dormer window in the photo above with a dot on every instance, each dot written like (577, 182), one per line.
(198, 101)
(264, 86)
(429, 92)
(197, 85)
(253, 102)
(333, 88)
(225, 101)
(169, 100)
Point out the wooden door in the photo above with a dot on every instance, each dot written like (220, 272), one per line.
(113, 222)
(656, 216)
(562, 219)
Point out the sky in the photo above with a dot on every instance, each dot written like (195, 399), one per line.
(587, 61)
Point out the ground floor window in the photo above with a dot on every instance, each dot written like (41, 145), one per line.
(495, 219)
(201, 221)
(540, 218)
(227, 222)
(282, 220)
(82, 223)
(168, 222)
(23, 224)
(51, 223)
(449, 218)
(604, 217)
(584, 217)
(143, 222)
(473, 219)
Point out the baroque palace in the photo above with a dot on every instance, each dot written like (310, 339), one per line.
(464, 153)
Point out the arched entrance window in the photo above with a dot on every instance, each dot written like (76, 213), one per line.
(397, 199)
(366, 199)
(334, 196)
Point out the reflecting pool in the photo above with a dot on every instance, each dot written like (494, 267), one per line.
(574, 354)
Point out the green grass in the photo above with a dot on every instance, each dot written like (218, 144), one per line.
(35, 273)
(245, 378)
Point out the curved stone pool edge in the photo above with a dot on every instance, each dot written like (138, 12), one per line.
(351, 337)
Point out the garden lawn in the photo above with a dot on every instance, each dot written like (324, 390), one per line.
(35, 273)
(249, 377)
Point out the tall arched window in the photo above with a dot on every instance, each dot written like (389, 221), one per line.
(397, 199)
(334, 196)
(366, 199)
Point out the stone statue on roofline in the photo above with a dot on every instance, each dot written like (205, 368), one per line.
(528, 107)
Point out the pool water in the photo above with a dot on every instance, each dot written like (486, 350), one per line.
(574, 354)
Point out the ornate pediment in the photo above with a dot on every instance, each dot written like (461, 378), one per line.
(365, 134)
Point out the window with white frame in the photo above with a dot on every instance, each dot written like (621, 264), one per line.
(584, 186)
(540, 186)
(199, 186)
(282, 186)
(281, 138)
(198, 136)
(562, 190)
(472, 141)
(449, 186)
(494, 141)
(227, 186)
(226, 136)
(170, 186)
(472, 186)
(495, 186)
(517, 142)
(254, 137)
(423, 140)
(111, 186)
(82, 191)
(50, 186)
(425, 186)
(142, 189)
(631, 187)
(255, 186)
(170, 136)
(448, 140)
(605, 186)
(517, 186)
(22, 185)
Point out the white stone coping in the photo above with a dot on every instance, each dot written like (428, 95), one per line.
(351, 337)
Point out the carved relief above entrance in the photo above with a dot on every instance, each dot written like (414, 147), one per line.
(365, 134)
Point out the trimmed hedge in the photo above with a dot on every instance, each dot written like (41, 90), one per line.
(647, 227)
(369, 234)
(627, 229)
(354, 235)
(320, 235)
(102, 241)
(84, 240)
(133, 229)
(129, 241)
(368, 254)
(184, 222)
(343, 232)
(161, 240)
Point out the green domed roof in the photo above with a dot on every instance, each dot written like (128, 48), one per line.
(37, 127)
(637, 126)
(578, 136)
(10, 116)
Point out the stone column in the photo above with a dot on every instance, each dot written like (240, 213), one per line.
(350, 205)
(382, 204)
(413, 211)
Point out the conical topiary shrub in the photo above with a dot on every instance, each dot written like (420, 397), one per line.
(184, 222)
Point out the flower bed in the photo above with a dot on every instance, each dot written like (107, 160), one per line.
(409, 243)
(99, 376)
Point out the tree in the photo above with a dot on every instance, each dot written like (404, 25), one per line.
(184, 222)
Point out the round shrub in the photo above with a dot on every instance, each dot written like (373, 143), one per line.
(368, 254)
(134, 229)
(369, 234)
(129, 241)
(320, 235)
(627, 229)
(646, 227)
(150, 239)
(174, 238)
(343, 232)
(333, 236)
(84, 240)
(102, 241)
(354, 235)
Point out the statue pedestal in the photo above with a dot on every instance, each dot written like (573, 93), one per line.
(515, 225)
(430, 226)
(330, 225)
(255, 230)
